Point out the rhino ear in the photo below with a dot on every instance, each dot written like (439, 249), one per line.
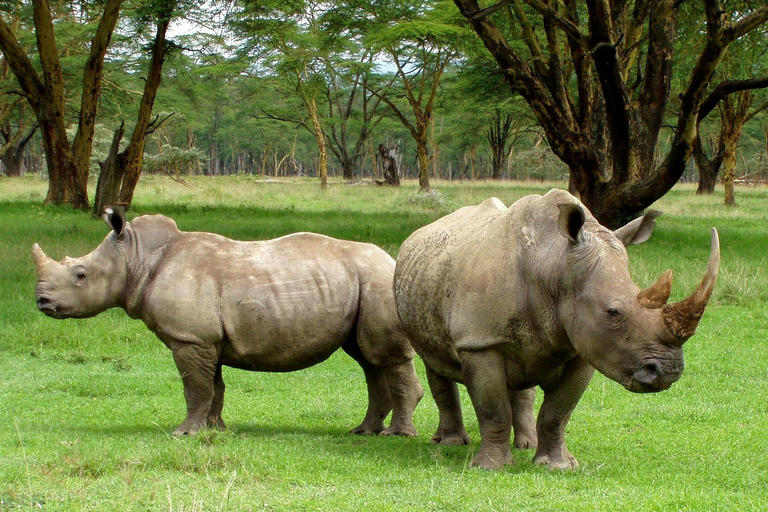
(114, 216)
(571, 221)
(638, 230)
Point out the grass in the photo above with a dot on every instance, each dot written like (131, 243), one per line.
(86, 406)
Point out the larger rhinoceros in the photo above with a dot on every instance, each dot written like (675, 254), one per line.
(503, 299)
(276, 306)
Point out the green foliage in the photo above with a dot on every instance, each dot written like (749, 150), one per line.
(86, 406)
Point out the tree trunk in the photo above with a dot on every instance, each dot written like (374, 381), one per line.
(12, 153)
(498, 137)
(729, 162)
(422, 152)
(322, 159)
(389, 163)
(708, 167)
(134, 153)
(111, 176)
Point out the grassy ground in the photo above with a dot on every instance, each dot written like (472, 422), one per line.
(86, 406)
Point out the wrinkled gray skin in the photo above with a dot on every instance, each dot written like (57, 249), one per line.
(504, 299)
(276, 306)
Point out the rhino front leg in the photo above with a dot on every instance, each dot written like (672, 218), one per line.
(450, 429)
(486, 381)
(559, 402)
(197, 366)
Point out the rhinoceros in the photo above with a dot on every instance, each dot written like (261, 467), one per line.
(274, 306)
(537, 294)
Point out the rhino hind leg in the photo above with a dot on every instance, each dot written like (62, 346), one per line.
(523, 422)
(379, 397)
(445, 392)
(406, 392)
(197, 366)
(214, 415)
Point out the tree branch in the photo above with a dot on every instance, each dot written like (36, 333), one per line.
(729, 87)
(571, 30)
(484, 13)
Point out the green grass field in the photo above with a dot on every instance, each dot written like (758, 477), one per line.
(87, 406)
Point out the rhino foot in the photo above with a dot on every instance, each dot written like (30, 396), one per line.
(400, 430)
(492, 459)
(567, 462)
(188, 428)
(450, 438)
(368, 429)
(525, 442)
(216, 422)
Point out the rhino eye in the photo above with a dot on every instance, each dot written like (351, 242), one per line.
(613, 312)
(80, 275)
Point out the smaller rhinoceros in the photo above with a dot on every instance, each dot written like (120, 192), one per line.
(504, 299)
(275, 306)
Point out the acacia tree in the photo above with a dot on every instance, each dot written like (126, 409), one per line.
(120, 173)
(597, 77)
(420, 40)
(68, 163)
(354, 109)
(735, 111)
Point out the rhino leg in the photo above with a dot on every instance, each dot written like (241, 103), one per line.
(523, 423)
(197, 366)
(486, 380)
(214, 415)
(406, 392)
(445, 392)
(559, 402)
(379, 397)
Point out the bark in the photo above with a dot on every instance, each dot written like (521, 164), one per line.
(608, 135)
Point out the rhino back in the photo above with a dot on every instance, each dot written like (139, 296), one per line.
(276, 305)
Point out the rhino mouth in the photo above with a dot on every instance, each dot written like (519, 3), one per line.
(47, 306)
(654, 375)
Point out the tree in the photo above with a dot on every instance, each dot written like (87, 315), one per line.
(619, 57)
(120, 173)
(68, 163)
(735, 112)
(421, 41)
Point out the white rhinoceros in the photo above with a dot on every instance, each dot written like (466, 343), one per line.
(276, 306)
(504, 299)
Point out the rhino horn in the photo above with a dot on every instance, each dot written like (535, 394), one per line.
(656, 295)
(682, 318)
(41, 259)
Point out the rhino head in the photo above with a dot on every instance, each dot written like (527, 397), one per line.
(86, 286)
(632, 336)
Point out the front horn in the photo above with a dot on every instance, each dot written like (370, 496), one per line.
(682, 318)
(41, 259)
